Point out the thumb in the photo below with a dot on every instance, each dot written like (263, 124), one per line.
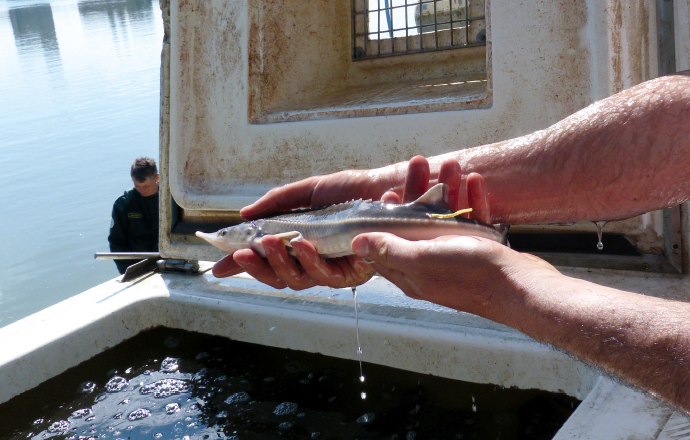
(378, 247)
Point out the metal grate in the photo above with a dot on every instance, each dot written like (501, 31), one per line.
(384, 28)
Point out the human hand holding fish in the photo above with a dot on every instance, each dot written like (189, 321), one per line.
(279, 270)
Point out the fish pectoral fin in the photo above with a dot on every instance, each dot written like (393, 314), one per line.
(288, 236)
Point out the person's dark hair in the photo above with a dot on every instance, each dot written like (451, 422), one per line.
(143, 168)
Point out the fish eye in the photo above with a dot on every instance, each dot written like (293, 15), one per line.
(222, 232)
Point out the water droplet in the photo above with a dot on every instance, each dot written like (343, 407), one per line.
(170, 365)
(361, 379)
(237, 397)
(600, 230)
(87, 387)
(116, 384)
(474, 408)
(222, 415)
(60, 426)
(363, 395)
(285, 408)
(38, 421)
(285, 425)
(78, 414)
(165, 388)
(158, 435)
(139, 414)
(172, 408)
(366, 418)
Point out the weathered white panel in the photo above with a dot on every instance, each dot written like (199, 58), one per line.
(544, 63)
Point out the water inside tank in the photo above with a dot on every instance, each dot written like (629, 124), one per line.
(172, 384)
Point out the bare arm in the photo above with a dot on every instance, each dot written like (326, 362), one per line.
(620, 157)
(617, 158)
(642, 339)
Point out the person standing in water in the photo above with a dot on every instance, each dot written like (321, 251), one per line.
(134, 223)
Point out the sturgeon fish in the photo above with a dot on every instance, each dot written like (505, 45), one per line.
(332, 229)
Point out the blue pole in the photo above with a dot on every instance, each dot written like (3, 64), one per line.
(388, 18)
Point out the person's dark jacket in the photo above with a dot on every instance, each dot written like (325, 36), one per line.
(134, 226)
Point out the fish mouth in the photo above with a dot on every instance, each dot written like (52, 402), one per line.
(216, 241)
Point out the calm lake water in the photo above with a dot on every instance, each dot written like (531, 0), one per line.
(79, 90)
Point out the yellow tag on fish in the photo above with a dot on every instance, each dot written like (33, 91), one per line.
(454, 214)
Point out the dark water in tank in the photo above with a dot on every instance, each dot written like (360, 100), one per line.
(166, 384)
(79, 100)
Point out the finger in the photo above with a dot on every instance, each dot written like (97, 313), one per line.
(382, 248)
(257, 267)
(478, 198)
(283, 198)
(226, 267)
(284, 266)
(451, 174)
(390, 197)
(389, 255)
(417, 179)
(321, 271)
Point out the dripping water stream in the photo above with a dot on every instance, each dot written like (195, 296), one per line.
(359, 347)
(600, 231)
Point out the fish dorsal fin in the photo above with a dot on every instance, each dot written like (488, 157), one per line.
(436, 196)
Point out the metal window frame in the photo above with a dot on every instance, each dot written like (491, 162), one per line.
(359, 53)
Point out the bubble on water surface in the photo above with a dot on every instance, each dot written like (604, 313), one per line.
(139, 414)
(285, 408)
(172, 408)
(59, 426)
(117, 416)
(170, 365)
(222, 415)
(285, 425)
(366, 418)
(116, 384)
(158, 435)
(78, 414)
(237, 397)
(165, 388)
(38, 421)
(87, 387)
(315, 434)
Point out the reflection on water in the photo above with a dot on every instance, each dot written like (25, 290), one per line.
(34, 25)
(118, 12)
(79, 94)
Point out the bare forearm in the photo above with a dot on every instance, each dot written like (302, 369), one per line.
(642, 339)
(617, 158)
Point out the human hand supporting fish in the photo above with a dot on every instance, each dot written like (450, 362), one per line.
(279, 270)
